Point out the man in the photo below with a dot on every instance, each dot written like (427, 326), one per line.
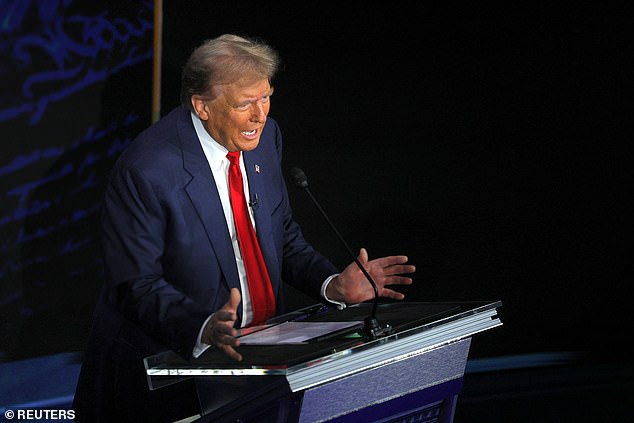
(198, 236)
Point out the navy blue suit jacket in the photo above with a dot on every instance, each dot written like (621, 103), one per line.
(167, 251)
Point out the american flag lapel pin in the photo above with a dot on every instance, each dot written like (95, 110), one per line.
(257, 168)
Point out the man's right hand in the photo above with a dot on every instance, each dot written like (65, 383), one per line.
(220, 331)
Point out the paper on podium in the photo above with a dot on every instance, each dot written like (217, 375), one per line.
(295, 332)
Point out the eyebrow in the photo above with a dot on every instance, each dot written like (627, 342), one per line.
(254, 99)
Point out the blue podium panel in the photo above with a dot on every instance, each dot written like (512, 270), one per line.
(385, 383)
(435, 404)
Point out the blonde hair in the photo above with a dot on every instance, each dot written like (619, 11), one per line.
(224, 60)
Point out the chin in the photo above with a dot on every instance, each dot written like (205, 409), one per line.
(251, 145)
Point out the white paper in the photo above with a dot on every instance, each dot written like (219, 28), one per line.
(294, 332)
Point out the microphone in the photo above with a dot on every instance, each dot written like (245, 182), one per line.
(254, 202)
(371, 324)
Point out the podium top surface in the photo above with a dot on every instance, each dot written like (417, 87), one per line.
(415, 328)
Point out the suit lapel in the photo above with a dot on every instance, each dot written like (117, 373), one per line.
(204, 196)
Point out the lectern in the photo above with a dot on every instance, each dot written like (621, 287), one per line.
(318, 365)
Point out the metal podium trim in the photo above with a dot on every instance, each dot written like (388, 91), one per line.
(339, 364)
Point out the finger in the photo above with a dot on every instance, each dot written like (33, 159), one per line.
(229, 311)
(234, 299)
(363, 257)
(398, 280)
(231, 352)
(225, 328)
(388, 293)
(399, 269)
(225, 316)
(223, 339)
(390, 260)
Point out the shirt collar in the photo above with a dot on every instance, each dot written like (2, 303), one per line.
(216, 152)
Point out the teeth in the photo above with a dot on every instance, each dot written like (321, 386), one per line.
(249, 132)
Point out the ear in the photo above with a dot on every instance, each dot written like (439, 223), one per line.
(199, 103)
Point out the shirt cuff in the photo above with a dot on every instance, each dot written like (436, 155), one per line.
(340, 305)
(200, 347)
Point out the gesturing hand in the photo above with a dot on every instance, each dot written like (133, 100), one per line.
(352, 287)
(220, 331)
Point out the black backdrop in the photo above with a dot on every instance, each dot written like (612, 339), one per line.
(486, 144)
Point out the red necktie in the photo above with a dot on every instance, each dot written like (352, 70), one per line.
(262, 299)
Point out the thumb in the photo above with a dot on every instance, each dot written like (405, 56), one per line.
(363, 257)
(234, 300)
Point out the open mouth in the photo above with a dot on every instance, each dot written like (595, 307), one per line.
(250, 134)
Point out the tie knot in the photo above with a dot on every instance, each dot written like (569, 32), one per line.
(234, 157)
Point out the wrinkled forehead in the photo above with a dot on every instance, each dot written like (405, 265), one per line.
(245, 87)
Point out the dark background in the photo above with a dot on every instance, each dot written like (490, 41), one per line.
(487, 144)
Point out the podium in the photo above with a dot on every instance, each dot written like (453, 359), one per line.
(413, 373)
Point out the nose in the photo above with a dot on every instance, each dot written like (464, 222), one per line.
(259, 111)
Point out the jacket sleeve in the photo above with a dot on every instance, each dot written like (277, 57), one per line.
(133, 237)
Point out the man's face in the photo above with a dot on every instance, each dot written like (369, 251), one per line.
(236, 114)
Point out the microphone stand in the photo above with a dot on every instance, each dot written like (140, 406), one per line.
(372, 327)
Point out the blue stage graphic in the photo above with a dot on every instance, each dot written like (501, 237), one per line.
(70, 102)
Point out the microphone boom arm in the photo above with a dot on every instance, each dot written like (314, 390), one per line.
(372, 326)
(345, 244)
